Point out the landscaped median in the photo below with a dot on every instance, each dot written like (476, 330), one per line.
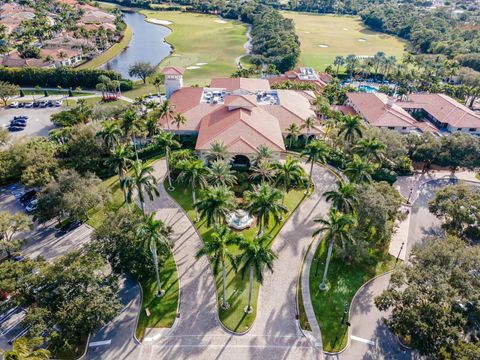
(344, 279)
(235, 318)
(155, 312)
(110, 53)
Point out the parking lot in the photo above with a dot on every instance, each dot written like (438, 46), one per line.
(38, 123)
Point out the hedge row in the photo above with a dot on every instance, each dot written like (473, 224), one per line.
(64, 77)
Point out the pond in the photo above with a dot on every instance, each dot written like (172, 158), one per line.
(147, 44)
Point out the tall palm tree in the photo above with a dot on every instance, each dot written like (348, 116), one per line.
(336, 228)
(289, 174)
(151, 125)
(371, 149)
(294, 132)
(166, 111)
(214, 204)
(343, 198)
(157, 80)
(351, 128)
(154, 235)
(359, 170)
(315, 152)
(110, 133)
(262, 170)
(220, 173)
(218, 248)
(141, 180)
(263, 152)
(322, 107)
(378, 60)
(255, 255)
(120, 159)
(308, 125)
(167, 140)
(132, 125)
(339, 61)
(27, 349)
(193, 172)
(351, 62)
(263, 203)
(178, 120)
(218, 151)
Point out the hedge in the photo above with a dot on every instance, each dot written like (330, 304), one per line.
(64, 77)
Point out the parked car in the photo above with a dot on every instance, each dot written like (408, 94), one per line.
(28, 196)
(31, 205)
(29, 105)
(21, 104)
(36, 104)
(14, 105)
(13, 128)
(18, 258)
(20, 117)
(43, 104)
(58, 103)
(70, 226)
(19, 123)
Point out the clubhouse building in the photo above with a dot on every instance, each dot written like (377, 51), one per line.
(242, 113)
(434, 113)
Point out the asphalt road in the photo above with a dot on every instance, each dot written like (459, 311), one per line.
(38, 123)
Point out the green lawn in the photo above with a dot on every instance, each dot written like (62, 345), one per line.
(41, 93)
(235, 318)
(96, 101)
(343, 35)
(163, 311)
(113, 51)
(199, 38)
(344, 279)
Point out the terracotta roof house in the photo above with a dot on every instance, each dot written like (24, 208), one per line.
(241, 113)
(382, 111)
(49, 58)
(443, 112)
(303, 75)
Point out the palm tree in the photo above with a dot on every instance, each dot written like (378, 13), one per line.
(294, 132)
(167, 140)
(339, 61)
(351, 61)
(351, 128)
(218, 151)
(193, 172)
(120, 159)
(343, 198)
(336, 228)
(151, 125)
(255, 255)
(263, 152)
(166, 111)
(154, 235)
(110, 133)
(132, 125)
(220, 173)
(262, 170)
(308, 125)
(157, 80)
(316, 152)
(178, 120)
(289, 174)
(218, 248)
(142, 180)
(378, 59)
(322, 106)
(371, 149)
(214, 204)
(263, 203)
(27, 349)
(359, 170)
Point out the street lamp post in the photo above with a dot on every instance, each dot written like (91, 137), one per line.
(410, 195)
(345, 311)
(398, 255)
(316, 269)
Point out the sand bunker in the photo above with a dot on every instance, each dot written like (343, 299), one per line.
(306, 32)
(160, 22)
(220, 21)
(323, 46)
(193, 67)
(346, 29)
(201, 64)
(362, 40)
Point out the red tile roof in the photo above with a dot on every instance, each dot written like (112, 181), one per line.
(173, 70)
(443, 108)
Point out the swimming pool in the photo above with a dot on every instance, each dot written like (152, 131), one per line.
(368, 89)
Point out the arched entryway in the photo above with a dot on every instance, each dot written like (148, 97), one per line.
(241, 161)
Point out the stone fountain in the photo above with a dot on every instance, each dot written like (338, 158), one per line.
(239, 219)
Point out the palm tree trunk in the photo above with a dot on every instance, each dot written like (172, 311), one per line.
(310, 176)
(323, 285)
(142, 202)
(250, 285)
(157, 273)
(167, 151)
(135, 145)
(194, 198)
(224, 271)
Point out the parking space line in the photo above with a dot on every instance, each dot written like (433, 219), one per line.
(100, 343)
(366, 341)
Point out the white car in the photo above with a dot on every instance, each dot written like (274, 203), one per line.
(14, 104)
(58, 103)
(28, 105)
